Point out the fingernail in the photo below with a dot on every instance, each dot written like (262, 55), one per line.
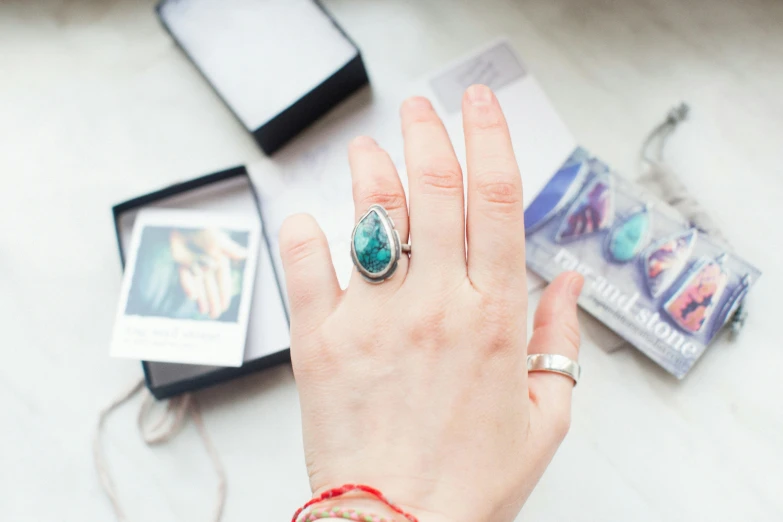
(479, 94)
(417, 102)
(575, 285)
(364, 142)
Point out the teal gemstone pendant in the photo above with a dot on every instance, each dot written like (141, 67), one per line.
(629, 236)
(375, 245)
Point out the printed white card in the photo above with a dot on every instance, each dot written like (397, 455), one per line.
(187, 288)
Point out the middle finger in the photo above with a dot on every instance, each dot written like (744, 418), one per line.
(437, 208)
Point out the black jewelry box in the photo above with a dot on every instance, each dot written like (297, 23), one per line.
(229, 191)
(278, 65)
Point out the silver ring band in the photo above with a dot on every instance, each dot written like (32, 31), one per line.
(555, 363)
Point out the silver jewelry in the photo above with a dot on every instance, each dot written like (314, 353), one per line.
(375, 245)
(552, 362)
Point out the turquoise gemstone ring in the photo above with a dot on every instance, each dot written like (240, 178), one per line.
(375, 245)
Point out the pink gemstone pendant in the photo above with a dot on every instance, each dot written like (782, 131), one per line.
(692, 305)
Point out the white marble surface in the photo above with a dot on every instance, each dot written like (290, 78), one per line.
(97, 105)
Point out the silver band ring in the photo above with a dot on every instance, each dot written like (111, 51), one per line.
(555, 363)
(375, 245)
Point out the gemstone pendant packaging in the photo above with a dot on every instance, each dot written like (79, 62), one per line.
(650, 276)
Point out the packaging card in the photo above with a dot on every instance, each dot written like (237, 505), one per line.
(187, 288)
(660, 284)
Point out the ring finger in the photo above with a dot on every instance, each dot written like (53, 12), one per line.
(376, 182)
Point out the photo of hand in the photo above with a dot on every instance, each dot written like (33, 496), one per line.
(188, 273)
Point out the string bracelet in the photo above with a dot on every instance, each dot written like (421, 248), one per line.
(347, 514)
(344, 490)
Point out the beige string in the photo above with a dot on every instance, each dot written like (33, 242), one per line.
(660, 180)
(166, 426)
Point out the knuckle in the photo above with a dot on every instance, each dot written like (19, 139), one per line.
(428, 327)
(391, 200)
(439, 177)
(500, 189)
(487, 119)
(297, 247)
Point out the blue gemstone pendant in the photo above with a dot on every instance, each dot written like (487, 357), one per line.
(375, 245)
(629, 236)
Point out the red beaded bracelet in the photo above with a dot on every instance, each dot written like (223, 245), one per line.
(348, 488)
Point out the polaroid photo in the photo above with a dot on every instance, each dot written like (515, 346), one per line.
(187, 288)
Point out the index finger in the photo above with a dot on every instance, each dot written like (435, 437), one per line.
(495, 225)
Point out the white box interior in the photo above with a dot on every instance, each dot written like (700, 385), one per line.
(267, 330)
(260, 55)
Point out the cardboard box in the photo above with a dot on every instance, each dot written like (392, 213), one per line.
(229, 192)
(278, 65)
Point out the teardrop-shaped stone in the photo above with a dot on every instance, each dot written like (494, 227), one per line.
(665, 260)
(592, 211)
(628, 237)
(558, 192)
(692, 305)
(371, 243)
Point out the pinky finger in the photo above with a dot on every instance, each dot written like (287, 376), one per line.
(311, 282)
(555, 331)
(188, 283)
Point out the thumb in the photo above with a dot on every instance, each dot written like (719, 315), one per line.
(555, 330)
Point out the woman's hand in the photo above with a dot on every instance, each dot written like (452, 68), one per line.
(418, 386)
(204, 260)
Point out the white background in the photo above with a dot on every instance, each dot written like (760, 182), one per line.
(97, 105)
